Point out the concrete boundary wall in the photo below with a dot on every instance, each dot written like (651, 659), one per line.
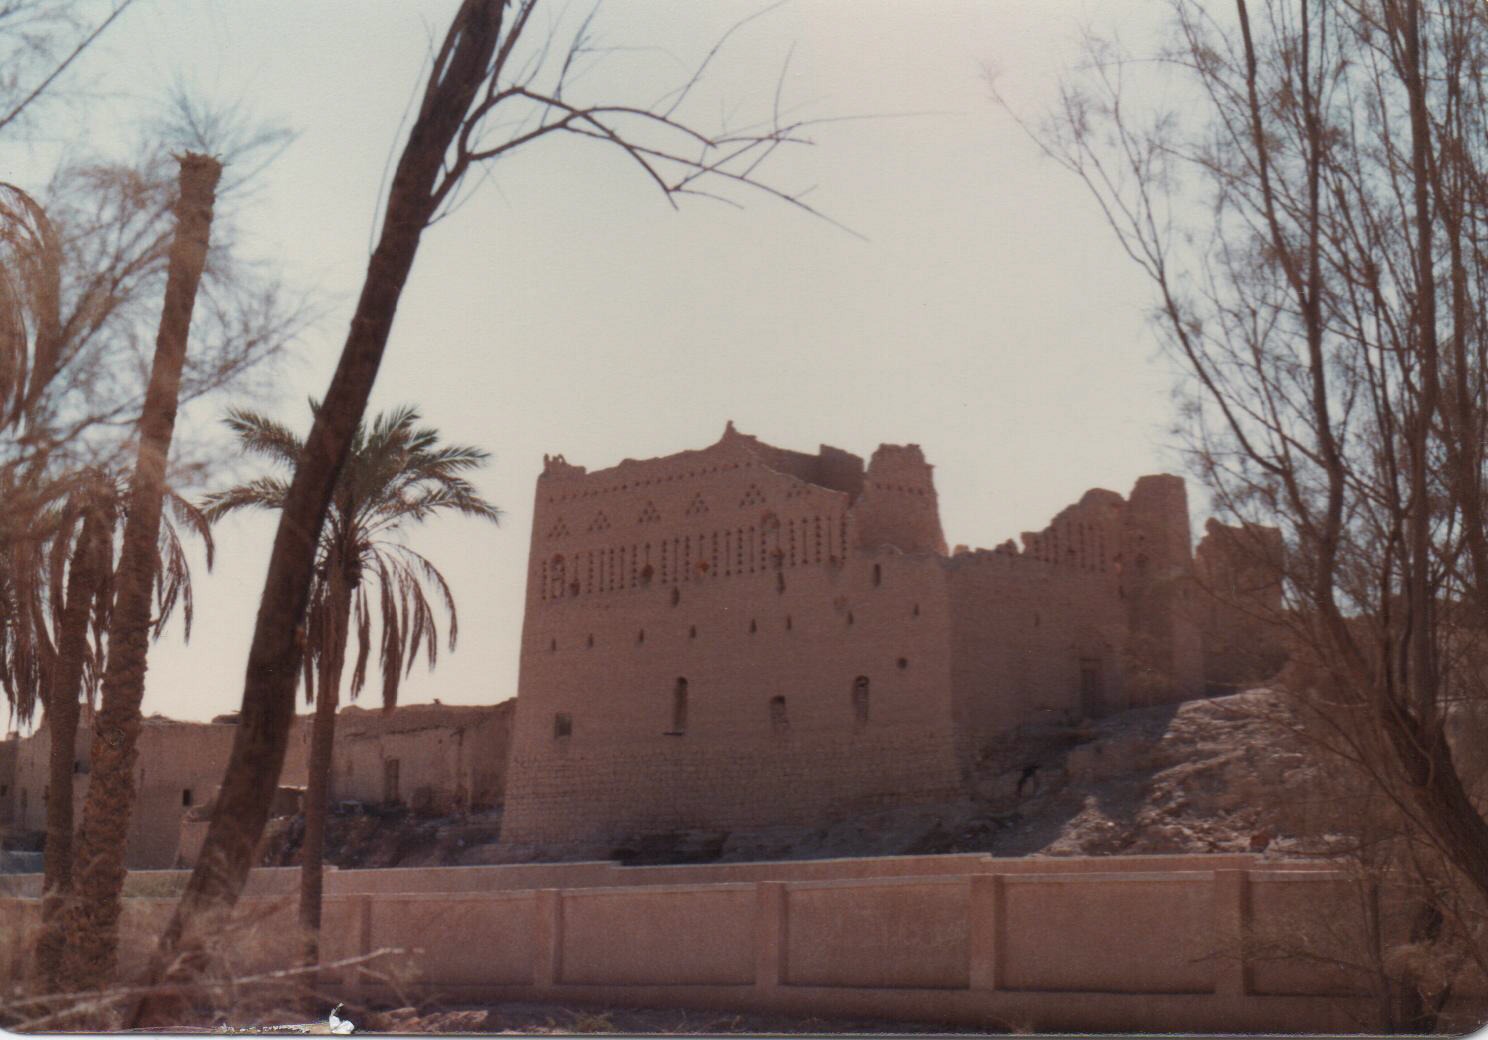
(1062, 950)
(1117, 944)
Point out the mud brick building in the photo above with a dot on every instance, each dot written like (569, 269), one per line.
(743, 635)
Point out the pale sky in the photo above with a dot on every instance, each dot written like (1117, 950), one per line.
(987, 313)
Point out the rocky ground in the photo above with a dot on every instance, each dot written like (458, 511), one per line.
(373, 836)
(1215, 775)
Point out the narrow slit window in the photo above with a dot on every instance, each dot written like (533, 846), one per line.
(679, 707)
(860, 700)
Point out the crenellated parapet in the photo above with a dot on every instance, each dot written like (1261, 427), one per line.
(557, 467)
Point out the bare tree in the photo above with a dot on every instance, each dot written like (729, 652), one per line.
(40, 41)
(1306, 186)
(495, 85)
(113, 224)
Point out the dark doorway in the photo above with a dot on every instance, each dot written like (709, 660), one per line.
(390, 781)
(1092, 689)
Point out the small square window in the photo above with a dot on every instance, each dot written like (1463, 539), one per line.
(562, 725)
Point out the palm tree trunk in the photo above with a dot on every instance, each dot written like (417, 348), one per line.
(274, 655)
(93, 918)
(322, 743)
(83, 579)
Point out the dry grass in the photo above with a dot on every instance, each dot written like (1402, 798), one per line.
(240, 973)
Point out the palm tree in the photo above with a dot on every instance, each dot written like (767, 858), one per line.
(56, 590)
(92, 931)
(397, 473)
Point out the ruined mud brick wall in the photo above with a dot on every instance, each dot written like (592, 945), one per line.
(743, 636)
(28, 793)
(180, 765)
(434, 757)
(449, 758)
(1237, 571)
(1164, 658)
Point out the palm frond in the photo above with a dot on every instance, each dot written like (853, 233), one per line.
(259, 493)
(260, 435)
(30, 302)
(397, 473)
(364, 642)
(196, 520)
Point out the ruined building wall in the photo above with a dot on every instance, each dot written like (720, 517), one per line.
(180, 765)
(442, 758)
(450, 757)
(703, 647)
(1237, 573)
(1030, 642)
(28, 794)
(1164, 657)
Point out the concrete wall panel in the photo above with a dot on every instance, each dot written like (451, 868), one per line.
(1109, 933)
(655, 935)
(904, 933)
(460, 940)
(1306, 932)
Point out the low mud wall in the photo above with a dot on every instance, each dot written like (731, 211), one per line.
(1184, 943)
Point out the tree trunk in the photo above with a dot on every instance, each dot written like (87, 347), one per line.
(89, 558)
(93, 918)
(274, 655)
(322, 744)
